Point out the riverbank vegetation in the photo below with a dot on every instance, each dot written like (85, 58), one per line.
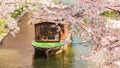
(95, 18)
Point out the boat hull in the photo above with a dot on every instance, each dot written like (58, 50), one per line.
(50, 51)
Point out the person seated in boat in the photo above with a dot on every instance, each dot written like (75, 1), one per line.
(60, 29)
(58, 34)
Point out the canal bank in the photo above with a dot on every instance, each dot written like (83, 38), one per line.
(18, 52)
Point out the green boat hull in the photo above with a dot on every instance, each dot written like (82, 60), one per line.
(48, 48)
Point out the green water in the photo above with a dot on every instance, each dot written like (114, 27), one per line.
(66, 59)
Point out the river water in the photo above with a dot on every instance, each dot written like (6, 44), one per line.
(18, 52)
(66, 59)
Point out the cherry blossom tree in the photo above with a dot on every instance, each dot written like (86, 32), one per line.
(87, 14)
(105, 38)
(7, 7)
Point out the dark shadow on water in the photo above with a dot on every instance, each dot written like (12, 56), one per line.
(63, 60)
(39, 55)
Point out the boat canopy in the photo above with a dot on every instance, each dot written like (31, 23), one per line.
(50, 32)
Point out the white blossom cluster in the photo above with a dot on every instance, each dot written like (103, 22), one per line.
(6, 7)
(112, 24)
(87, 15)
(106, 41)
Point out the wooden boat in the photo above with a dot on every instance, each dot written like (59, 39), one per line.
(50, 38)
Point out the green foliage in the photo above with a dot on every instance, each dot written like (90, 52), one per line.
(18, 12)
(110, 14)
(55, 1)
(2, 20)
(65, 1)
(3, 25)
(2, 31)
(6, 26)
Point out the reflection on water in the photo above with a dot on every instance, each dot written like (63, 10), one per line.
(66, 59)
(63, 60)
